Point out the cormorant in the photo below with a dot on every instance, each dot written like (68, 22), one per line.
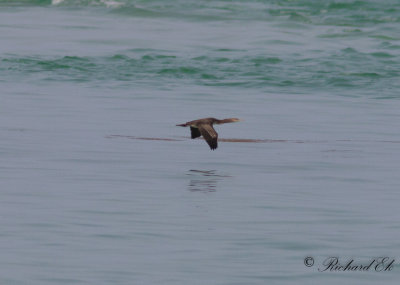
(204, 127)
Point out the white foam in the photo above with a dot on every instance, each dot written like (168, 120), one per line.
(111, 4)
(56, 2)
(108, 3)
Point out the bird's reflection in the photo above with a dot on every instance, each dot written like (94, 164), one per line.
(204, 180)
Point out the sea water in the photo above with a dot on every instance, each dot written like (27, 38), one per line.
(98, 185)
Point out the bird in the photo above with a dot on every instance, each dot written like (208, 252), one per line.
(204, 127)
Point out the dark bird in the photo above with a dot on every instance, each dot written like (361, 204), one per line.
(204, 127)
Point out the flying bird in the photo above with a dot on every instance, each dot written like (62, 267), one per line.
(204, 127)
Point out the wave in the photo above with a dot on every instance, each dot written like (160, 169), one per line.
(25, 2)
(75, 3)
(340, 69)
(301, 12)
(107, 3)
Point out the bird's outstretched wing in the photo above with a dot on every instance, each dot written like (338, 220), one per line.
(210, 135)
(195, 132)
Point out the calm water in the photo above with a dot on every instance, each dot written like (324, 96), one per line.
(84, 201)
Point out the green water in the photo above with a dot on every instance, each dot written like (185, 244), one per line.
(317, 45)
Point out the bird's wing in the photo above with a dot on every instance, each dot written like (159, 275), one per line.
(195, 132)
(210, 135)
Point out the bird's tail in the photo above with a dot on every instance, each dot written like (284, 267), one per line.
(181, 125)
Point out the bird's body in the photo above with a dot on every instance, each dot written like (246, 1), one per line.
(204, 127)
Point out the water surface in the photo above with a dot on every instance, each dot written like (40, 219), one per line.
(99, 186)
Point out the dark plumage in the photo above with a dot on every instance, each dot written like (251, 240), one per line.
(204, 127)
